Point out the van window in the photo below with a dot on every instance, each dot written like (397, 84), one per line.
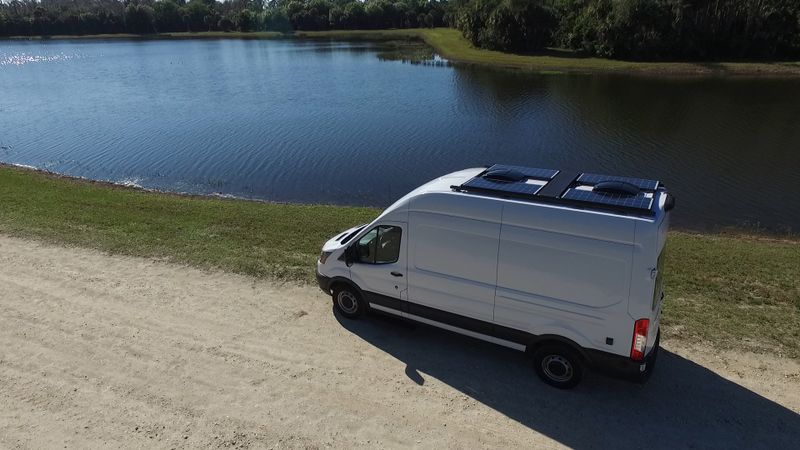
(381, 245)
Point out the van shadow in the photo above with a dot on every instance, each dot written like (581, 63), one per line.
(682, 405)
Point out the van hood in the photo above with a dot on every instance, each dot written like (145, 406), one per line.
(335, 243)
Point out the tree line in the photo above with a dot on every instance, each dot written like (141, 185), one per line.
(626, 29)
(636, 29)
(81, 17)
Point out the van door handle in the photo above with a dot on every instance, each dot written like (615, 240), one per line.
(397, 274)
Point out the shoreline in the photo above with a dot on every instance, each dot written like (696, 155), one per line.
(729, 231)
(451, 45)
(731, 291)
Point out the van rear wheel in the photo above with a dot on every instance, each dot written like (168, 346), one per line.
(348, 302)
(558, 365)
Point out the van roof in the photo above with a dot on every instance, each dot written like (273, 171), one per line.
(622, 195)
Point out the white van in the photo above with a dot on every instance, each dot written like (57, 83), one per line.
(563, 265)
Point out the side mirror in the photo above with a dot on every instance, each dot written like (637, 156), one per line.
(350, 255)
(669, 203)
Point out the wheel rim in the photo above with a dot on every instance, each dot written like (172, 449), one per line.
(557, 368)
(347, 302)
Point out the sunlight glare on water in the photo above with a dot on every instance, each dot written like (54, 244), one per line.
(22, 58)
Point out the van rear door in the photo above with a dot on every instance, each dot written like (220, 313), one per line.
(658, 299)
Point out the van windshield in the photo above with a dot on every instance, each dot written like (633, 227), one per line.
(350, 236)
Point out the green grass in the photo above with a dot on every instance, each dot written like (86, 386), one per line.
(734, 291)
(271, 240)
(453, 46)
(728, 291)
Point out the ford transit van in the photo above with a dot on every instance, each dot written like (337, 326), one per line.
(566, 266)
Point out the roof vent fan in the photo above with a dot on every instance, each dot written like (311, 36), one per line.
(504, 175)
(616, 188)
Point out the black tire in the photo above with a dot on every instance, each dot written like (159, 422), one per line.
(348, 301)
(558, 365)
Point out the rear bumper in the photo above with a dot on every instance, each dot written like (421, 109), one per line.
(623, 367)
(324, 283)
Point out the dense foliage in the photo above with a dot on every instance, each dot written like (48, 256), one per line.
(53, 17)
(510, 25)
(628, 29)
(636, 29)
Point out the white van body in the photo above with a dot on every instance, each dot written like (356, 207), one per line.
(516, 270)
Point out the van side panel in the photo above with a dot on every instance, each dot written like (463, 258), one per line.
(558, 275)
(453, 259)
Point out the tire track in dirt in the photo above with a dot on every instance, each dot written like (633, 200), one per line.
(99, 350)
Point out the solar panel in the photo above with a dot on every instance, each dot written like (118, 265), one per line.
(641, 183)
(639, 201)
(499, 186)
(530, 172)
(565, 188)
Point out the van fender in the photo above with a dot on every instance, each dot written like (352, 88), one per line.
(342, 280)
(542, 339)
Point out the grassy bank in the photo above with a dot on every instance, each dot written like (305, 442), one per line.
(261, 239)
(736, 292)
(451, 44)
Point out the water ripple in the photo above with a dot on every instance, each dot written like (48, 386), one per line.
(332, 123)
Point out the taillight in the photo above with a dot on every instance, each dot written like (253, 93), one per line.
(639, 339)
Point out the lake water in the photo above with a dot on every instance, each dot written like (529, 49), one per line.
(331, 122)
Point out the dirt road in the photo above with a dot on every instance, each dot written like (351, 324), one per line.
(106, 351)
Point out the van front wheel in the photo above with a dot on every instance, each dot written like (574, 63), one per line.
(348, 302)
(558, 365)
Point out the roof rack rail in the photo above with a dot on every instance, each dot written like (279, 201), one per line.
(623, 195)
